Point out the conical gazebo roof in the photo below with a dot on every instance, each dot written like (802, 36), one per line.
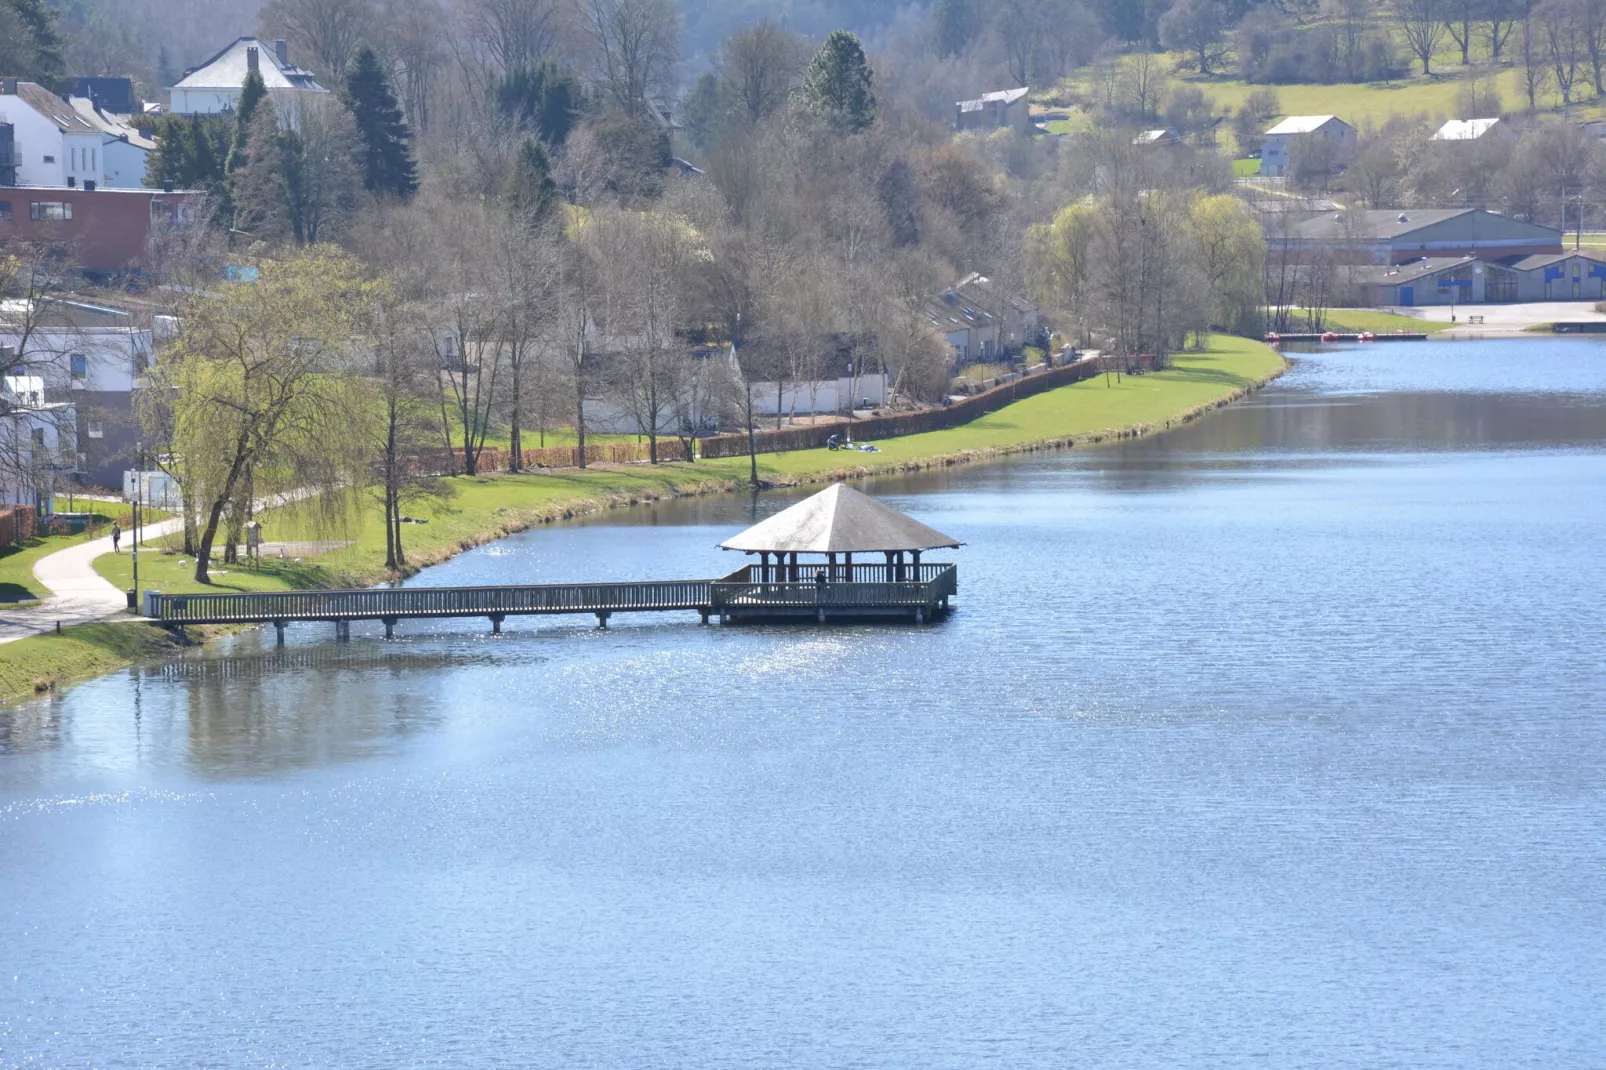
(839, 519)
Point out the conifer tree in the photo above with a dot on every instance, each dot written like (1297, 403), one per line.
(530, 191)
(34, 52)
(252, 94)
(837, 86)
(387, 161)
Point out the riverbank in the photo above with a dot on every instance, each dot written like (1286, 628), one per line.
(485, 508)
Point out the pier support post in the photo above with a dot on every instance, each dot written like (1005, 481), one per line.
(496, 624)
(819, 615)
(920, 614)
(602, 619)
(342, 630)
(390, 627)
(278, 628)
(704, 614)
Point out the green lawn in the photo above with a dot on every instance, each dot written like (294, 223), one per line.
(1355, 320)
(1245, 168)
(485, 507)
(17, 583)
(44, 662)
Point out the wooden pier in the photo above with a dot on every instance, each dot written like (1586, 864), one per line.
(837, 522)
(919, 593)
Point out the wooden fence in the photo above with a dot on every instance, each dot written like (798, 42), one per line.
(450, 462)
(16, 524)
(912, 423)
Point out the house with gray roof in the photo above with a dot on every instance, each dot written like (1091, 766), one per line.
(52, 145)
(215, 85)
(1396, 236)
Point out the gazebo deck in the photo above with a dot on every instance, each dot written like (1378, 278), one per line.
(779, 592)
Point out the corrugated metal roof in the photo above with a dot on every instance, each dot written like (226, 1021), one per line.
(838, 520)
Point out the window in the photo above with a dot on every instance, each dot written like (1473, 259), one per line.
(96, 429)
(79, 364)
(5, 209)
(72, 158)
(38, 436)
(94, 155)
(50, 159)
(47, 211)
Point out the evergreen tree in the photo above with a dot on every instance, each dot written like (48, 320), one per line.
(252, 93)
(190, 150)
(545, 99)
(387, 161)
(33, 49)
(530, 191)
(958, 24)
(703, 110)
(165, 74)
(838, 84)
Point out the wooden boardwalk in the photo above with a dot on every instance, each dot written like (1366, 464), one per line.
(920, 593)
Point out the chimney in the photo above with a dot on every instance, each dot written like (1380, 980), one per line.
(282, 50)
(251, 59)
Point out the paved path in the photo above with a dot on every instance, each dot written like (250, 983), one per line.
(78, 594)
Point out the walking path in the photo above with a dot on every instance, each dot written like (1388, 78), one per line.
(78, 594)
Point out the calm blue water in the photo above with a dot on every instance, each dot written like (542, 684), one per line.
(1274, 742)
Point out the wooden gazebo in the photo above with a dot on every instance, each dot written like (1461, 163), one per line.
(805, 561)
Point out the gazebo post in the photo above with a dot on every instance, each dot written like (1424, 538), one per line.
(763, 566)
(830, 561)
(889, 565)
(848, 558)
(794, 566)
(916, 576)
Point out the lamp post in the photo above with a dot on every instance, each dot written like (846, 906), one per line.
(139, 495)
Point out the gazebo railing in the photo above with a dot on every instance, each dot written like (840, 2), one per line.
(872, 591)
(858, 572)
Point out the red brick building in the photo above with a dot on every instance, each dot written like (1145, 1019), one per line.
(106, 230)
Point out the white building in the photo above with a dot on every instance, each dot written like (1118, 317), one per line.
(1278, 146)
(38, 444)
(124, 151)
(1472, 130)
(215, 85)
(89, 358)
(52, 144)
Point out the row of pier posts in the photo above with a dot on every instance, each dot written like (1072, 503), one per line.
(343, 627)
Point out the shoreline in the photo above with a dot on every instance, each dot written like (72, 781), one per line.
(51, 662)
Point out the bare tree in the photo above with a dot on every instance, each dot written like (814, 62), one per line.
(1501, 18)
(1561, 22)
(331, 30)
(1461, 22)
(515, 34)
(1422, 23)
(632, 47)
(762, 64)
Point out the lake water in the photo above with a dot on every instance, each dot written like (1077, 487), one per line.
(1276, 742)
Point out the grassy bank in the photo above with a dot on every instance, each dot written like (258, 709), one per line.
(488, 507)
(44, 663)
(484, 508)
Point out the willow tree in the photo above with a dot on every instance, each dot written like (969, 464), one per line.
(265, 393)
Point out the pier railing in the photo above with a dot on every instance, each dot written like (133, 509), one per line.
(746, 593)
(404, 602)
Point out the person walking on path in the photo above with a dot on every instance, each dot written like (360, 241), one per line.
(117, 538)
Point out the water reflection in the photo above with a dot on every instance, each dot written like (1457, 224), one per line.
(1271, 742)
